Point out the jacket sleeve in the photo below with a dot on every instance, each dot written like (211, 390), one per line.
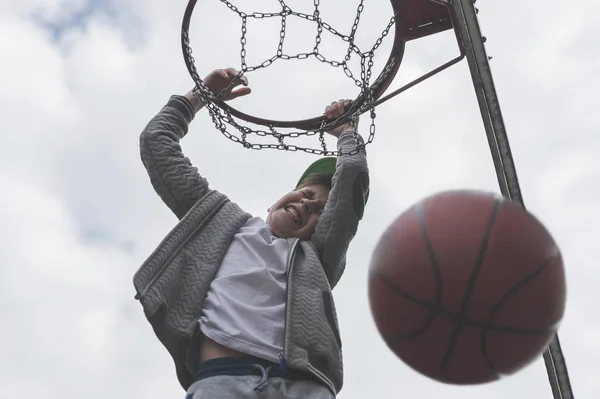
(338, 223)
(172, 175)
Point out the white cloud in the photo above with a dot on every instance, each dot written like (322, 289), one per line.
(79, 215)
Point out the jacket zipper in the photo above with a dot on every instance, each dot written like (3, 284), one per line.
(322, 377)
(168, 261)
(282, 359)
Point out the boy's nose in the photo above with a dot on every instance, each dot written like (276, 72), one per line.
(306, 204)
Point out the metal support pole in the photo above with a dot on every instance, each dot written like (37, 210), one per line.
(471, 39)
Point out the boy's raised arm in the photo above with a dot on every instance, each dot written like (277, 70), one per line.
(344, 210)
(339, 222)
(173, 176)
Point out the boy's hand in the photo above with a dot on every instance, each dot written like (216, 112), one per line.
(335, 110)
(220, 79)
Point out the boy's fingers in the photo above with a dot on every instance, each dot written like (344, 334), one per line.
(231, 72)
(242, 91)
(337, 109)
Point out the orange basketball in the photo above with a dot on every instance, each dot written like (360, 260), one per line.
(466, 287)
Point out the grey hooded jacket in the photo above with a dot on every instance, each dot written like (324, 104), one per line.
(172, 283)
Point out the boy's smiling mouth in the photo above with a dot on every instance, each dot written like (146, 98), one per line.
(294, 214)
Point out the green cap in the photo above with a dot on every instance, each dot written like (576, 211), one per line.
(323, 165)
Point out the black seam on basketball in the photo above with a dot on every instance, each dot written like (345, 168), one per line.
(496, 308)
(434, 308)
(437, 300)
(470, 288)
(446, 313)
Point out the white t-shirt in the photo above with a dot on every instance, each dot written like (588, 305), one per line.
(244, 309)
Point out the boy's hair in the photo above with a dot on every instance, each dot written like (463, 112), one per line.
(317, 179)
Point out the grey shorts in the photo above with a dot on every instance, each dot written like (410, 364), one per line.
(251, 378)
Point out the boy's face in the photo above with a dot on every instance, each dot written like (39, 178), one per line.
(296, 214)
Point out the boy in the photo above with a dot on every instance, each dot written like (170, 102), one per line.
(244, 306)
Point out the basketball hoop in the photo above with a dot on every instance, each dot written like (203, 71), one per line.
(412, 19)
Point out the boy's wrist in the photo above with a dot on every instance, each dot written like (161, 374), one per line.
(196, 102)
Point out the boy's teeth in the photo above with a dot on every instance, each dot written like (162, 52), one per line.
(292, 212)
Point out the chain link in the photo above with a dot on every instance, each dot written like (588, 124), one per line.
(222, 117)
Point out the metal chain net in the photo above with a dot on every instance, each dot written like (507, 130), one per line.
(223, 119)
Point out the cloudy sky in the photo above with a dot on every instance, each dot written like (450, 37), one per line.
(81, 78)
